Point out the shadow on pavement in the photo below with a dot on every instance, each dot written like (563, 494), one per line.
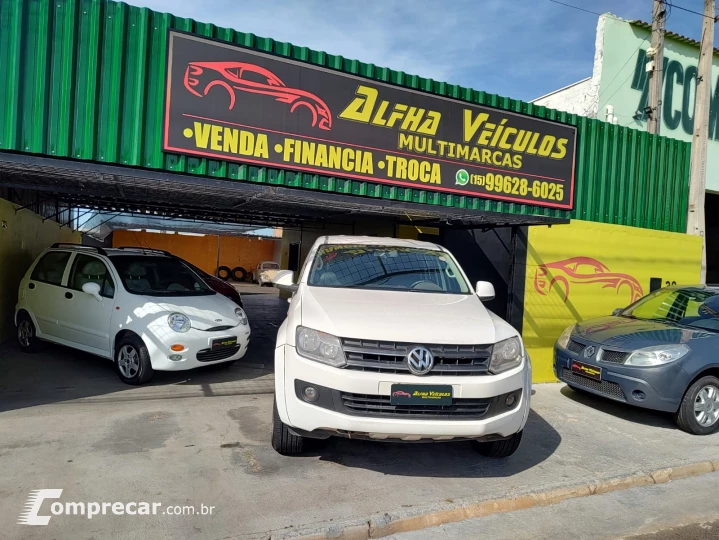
(441, 460)
(637, 415)
(58, 373)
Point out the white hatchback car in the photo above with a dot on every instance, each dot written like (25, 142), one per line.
(385, 339)
(144, 309)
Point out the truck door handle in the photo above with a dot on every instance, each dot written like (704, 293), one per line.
(68, 295)
(31, 286)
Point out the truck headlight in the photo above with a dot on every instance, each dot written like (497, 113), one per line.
(657, 355)
(506, 355)
(564, 338)
(178, 322)
(241, 315)
(320, 347)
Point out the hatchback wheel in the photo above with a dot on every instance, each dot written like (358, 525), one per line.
(699, 409)
(499, 449)
(132, 361)
(26, 336)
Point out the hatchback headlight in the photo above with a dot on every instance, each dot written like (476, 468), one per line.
(320, 347)
(564, 338)
(656, 356)
(178, 322)
(241, 315)
(506, 355)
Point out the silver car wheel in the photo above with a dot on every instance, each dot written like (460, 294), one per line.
(24, 333)
(128, 361)
(706, 406)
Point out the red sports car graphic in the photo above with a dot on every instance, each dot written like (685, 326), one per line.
(400, 393)
(583, 271)
(201, 77)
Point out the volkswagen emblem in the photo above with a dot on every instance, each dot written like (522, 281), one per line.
(419, 361)
(589, 351)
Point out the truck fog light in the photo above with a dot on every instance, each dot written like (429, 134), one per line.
(511, 398)
(311, 393)
(175, 357)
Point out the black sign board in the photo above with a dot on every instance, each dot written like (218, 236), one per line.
(227, 102)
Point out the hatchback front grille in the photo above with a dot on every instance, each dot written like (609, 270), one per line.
(607, 388)
(218, 328)
(575, 346)
(388, 357)
(374, 405)
(615, 357)
(208, 355)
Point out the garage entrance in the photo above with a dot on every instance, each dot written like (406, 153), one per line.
(486, 243)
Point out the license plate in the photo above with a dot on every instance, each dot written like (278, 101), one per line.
(421, 394)
(587, 370)
(221, 343)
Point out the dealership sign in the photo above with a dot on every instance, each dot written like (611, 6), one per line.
(227, 102)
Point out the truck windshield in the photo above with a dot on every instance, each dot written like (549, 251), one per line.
(386, 268)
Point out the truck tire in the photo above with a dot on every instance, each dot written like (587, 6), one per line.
(223, 272)
(283, 441)
(239, 273)
(500, 449)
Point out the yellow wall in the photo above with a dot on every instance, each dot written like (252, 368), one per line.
(23, 236)
(202, 250)
(601, 267)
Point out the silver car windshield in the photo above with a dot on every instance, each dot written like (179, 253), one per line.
(689, 306)
(386, 268)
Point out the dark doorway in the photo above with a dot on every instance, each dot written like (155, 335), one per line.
(711, 212)
(294, 258)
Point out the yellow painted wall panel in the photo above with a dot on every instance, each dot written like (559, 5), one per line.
(584, 270)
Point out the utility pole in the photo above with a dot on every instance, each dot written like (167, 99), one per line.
(697, 173)
(659, 18)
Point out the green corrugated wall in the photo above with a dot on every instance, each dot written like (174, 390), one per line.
(84, 79)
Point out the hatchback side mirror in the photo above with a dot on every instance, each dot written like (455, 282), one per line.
(617, 311)
(93, 289)
(485, 290)
(284, 281)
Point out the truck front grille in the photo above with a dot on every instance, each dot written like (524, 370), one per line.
(380, 406)
(388, 357)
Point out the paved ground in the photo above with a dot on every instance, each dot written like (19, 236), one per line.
(202, 437)
(682, 510)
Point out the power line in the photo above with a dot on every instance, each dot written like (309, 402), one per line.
(585, 10)
(669, 3)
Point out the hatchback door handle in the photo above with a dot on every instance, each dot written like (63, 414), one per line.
(68, 295)
(31, 286)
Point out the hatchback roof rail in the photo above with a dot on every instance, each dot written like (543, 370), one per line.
(151, 250)
(70, 244)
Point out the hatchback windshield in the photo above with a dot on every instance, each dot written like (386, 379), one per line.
(386, 268)
(158, 276)
(689, 306)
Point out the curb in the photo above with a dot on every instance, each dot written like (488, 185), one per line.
(379, 526)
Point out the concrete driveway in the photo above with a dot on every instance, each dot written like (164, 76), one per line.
(202, 438)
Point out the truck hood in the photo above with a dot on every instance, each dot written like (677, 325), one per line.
(203, 311)
(401, 316)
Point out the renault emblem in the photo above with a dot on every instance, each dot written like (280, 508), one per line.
(420, 361)
(589, 351)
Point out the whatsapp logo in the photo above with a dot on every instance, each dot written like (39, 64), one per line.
(462, 177)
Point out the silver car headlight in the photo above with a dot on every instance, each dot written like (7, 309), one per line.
(657, 355)
(320, 347)
(242, 316)
(564, 338)
(178, 322)
(506, 355)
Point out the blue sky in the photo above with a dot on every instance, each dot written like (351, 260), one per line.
(517, 48)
